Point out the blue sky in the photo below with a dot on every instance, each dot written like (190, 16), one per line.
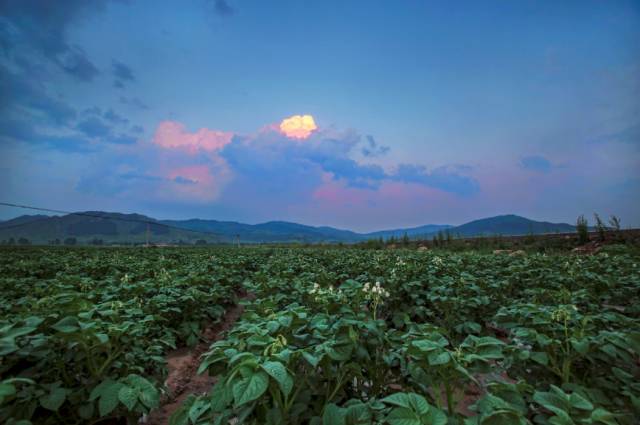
(424, 112)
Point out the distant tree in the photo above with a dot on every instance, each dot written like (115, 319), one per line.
(448, 236)
(440, 238)
(601, 228)
(614, 222)
(11, 241)
(70, 241)
(97, 241)
(201, 242)
(405, 239)
(56, 241)
(23, 241)
(435, 240)
(582, 227)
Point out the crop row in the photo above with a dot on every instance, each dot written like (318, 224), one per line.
(334, 336)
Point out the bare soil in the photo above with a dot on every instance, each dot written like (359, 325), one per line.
(183, 366)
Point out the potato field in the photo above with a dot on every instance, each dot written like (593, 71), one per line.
(338, 336)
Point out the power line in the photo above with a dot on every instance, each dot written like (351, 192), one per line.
(103, 217)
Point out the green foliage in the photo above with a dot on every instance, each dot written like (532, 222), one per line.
(329, 336)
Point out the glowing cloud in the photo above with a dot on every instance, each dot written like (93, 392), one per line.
(172, 135)
(298, 126)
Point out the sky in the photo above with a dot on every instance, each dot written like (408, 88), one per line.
(361, 115)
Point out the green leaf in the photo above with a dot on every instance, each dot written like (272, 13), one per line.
(397, 399)
(579, 402)
(502, 417)
(438, 359)
(278, 372)
(418, 403)
(435, 417)
(540, 357)
(6, 389)
(109, 398)
(603, 416)
(581, 346)
(358, 414)
(403, 416)
(150, 397)
(250, 388)
(128, 396)
(197, 409)
(54, 399)
(333, 415)
(85, 411)
(311, 359)
(221, 396)
(340, 351)
(67, 325)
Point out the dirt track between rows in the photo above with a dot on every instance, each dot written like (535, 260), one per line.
(183, 363)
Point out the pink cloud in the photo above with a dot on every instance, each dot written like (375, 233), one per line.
(172, 135)
(195, 183)
(365, 209)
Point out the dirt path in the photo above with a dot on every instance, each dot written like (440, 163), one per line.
(183, 364)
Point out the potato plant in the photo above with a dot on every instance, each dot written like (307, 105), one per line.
(328, 336)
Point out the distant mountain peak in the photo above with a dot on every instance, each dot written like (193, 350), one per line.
(127, 227)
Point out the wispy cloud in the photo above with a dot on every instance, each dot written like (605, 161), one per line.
(536, 163)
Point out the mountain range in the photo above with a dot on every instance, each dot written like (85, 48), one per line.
(135, 228)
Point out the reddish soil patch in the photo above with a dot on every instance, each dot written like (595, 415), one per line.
(183, 366)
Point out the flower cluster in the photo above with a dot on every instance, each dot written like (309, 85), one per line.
(320, 292)
(437, 261)
(374, 294)
(375, 290)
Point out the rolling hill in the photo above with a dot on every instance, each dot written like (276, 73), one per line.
(132, 228)
(509, 225)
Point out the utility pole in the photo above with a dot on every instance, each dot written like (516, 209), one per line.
(238, 240)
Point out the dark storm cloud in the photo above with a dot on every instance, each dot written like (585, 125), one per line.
(40, 26)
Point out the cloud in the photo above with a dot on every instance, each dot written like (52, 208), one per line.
(38, 29)
(223, 8)
(536, 163)
(372, 149)
(21, 96)
(95, 128)
(75, 62)
(172, 135)
(114, 118)
(122, 73)
(298, 126)
(270, 163)
(450, 179)
(133, 101)
(266, 173)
